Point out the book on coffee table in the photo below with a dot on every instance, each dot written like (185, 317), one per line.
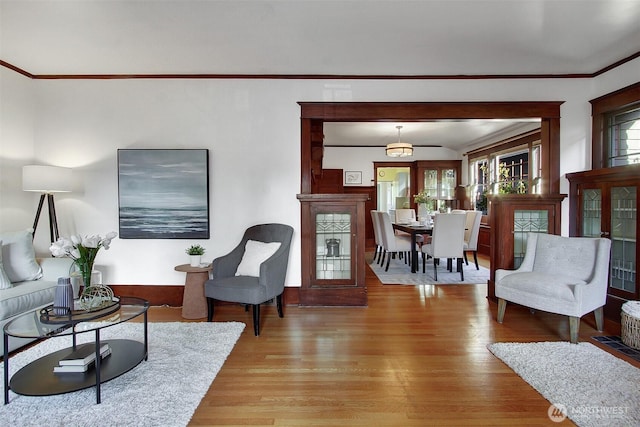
(81, 359)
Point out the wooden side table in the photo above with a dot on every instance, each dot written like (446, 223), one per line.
(194, 303)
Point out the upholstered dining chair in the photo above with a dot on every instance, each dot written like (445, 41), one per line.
(471, 232)
(253, 272)
(447, 241)
(377, 233)
(393, 243)
(407, 216)
(561, 275)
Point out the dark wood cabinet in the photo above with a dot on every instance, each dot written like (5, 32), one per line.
(333, 247)
(484, 239)
(604, 203)
(512, 217)
(440, 179)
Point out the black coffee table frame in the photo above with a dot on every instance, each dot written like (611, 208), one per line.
(38, 379)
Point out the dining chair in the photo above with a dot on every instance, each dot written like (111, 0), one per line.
(377, 233)
(408, 216)
(471, 232)
(447, 241)
(393, 243)
(405, 215)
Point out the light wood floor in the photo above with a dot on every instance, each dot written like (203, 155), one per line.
(416, 356)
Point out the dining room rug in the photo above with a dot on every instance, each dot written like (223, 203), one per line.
(581, 381)
(400, 274)
(184, 358)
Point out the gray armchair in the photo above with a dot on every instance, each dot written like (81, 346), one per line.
(224, 285)
(561, 275)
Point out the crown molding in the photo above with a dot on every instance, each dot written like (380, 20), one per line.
(318, 76)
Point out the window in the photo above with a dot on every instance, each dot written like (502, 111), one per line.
(479, 177)
(622, 137)
(513, 172)
(508, 167)
(615, 130)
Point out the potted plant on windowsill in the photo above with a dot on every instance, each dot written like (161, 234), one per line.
(195, 253)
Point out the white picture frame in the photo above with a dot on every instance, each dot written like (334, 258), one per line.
(353, 177)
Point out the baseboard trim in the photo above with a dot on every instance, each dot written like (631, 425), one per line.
(171, 295)
(155, 294)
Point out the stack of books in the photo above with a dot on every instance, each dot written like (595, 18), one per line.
(81, 359)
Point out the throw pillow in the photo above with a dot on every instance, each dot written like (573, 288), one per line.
(5, 283)
(255, 253)
(19, 257)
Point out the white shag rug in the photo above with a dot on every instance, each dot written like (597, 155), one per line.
(165, 390)
(400, 274)
(581, 381)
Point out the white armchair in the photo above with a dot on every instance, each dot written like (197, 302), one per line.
(562, 275)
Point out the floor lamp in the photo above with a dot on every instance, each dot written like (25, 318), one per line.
(47, 180)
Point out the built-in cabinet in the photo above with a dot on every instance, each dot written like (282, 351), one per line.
(512, 217)
(440, 179)
(604, 203)
(333, 265)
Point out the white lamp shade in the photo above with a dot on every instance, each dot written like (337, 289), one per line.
(47, 179)
(399, 149)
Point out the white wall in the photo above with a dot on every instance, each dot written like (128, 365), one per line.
(17, 130)
(251, 128)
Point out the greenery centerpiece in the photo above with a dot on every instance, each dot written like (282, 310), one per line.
(195, 252)
(425, 203)
(83, 251)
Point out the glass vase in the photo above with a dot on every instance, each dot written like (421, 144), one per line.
(423, 211)
(78, 282)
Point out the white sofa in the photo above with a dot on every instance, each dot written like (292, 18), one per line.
(25, 283)
(562, 275)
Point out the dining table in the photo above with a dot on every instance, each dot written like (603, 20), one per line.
(413, 230)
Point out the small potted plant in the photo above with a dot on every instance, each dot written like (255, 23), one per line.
(195, 252)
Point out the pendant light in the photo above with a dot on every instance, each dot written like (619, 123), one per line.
(399, 149)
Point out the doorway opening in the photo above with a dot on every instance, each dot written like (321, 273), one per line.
(393, 188)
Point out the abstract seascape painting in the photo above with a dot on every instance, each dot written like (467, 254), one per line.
(163, 194)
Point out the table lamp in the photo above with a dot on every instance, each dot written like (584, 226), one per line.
(47, 180)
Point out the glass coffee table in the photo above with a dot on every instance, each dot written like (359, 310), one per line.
(38, 379)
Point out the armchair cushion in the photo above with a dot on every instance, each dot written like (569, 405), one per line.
(572, 257)
(255, 253)
(543, 285)
(241, 289)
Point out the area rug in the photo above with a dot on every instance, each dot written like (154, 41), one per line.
(165, 390)
(400, 274)
(581, 381)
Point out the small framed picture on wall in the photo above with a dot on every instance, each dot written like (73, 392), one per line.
(353, 177)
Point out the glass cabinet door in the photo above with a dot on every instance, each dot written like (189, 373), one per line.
(334, 245)
(448, 184)
(440, 184)
(591, 212)
(527, 221)
(430, 184)
(623, 238)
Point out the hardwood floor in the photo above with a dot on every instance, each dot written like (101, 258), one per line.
(416, 356)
